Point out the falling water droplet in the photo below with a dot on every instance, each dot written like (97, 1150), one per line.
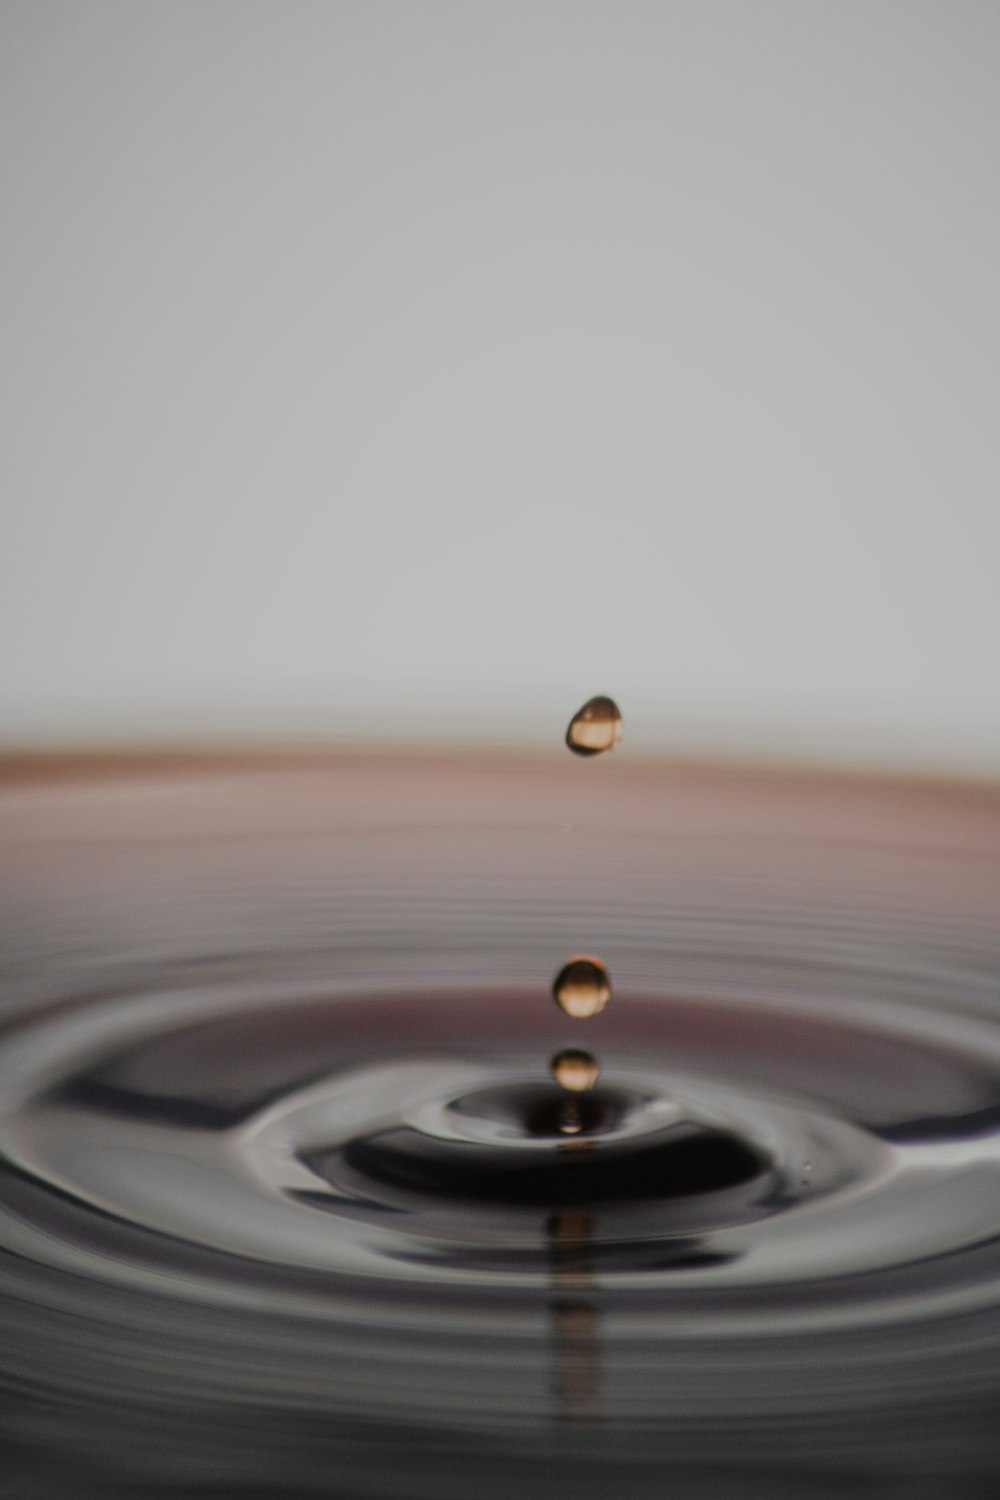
(574, 1070)
(582, 987)
(595, 727)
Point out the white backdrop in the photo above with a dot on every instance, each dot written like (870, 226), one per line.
(425, 367)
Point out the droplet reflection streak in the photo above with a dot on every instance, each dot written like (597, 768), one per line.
(576, 1323)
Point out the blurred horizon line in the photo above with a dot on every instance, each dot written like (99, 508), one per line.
(429, 723)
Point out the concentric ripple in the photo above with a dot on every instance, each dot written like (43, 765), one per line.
(285, 1174)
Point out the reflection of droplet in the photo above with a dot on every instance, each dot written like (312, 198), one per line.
(595, 727)
(575, 1323)
(570, 1228)
(576, 1330)
(582, 988)
(574, 1070)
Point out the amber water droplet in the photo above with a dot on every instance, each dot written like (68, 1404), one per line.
(574, 1070)
(582, 988)
(570, 1118)
(597, 726)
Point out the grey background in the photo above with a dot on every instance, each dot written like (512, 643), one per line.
(423, 368)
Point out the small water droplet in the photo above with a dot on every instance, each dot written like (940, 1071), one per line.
(575, 1070)
(582, 987)
(566, 825)
(597, 726)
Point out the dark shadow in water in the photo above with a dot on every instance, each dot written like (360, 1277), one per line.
(941, 1129)
(100, 1098)
(688, 1161)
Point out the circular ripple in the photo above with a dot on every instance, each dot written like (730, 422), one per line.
(276, 1106)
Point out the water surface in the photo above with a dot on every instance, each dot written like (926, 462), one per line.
(291, 1202)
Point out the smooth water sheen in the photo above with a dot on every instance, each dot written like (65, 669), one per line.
(294, 1199)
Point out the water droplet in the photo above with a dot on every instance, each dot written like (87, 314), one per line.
(582, 987)
(595, 727)
(570, 1119)
(574, 1070)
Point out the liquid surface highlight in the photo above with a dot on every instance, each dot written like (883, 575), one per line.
(289, 1206)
